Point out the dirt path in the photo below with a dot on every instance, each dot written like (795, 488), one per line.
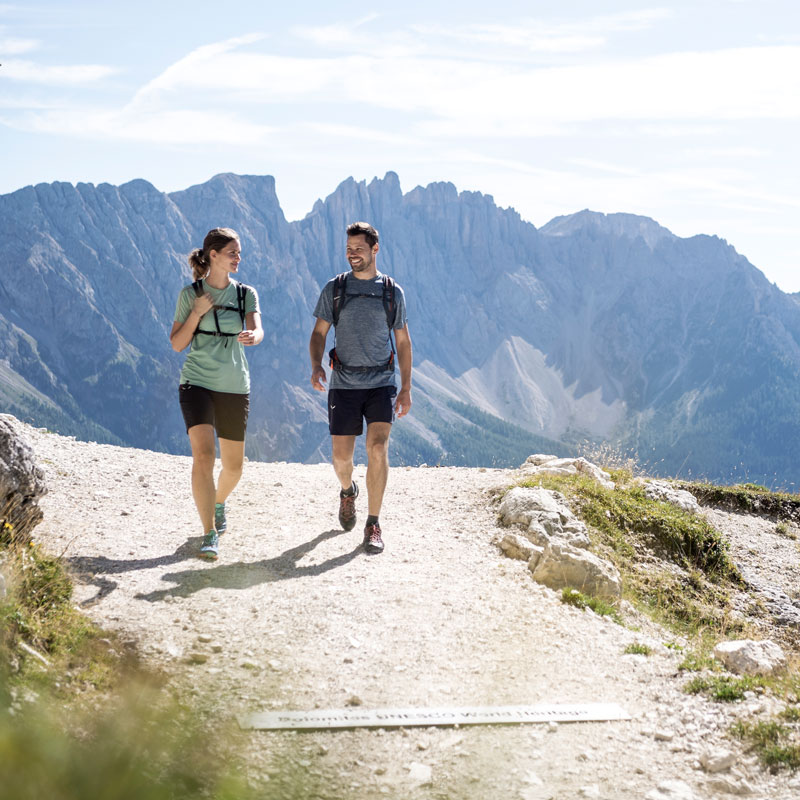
(299, 618)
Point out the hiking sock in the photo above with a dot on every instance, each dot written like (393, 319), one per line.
(371, 520)
(350, 492)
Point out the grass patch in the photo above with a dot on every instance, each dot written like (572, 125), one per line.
(572, 597)
(638, 649)
(675, 566)
(696, 662)
(776, 744)
(749, 497)
(724, 688)
(785, 528)
(791, 714)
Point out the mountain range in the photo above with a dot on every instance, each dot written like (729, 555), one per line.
(595, 328)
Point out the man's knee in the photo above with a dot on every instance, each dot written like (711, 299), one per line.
(378, 448)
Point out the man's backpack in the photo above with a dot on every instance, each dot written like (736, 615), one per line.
(341, 297)
(241, 293)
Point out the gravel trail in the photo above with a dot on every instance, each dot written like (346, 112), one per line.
(294, 616)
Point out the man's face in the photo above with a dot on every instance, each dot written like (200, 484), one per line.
(359, 254)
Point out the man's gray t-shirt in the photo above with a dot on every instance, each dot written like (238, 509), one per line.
(362, 335)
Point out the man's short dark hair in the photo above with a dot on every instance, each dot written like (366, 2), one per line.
(370, 234)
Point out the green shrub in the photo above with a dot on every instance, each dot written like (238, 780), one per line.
(575, 598)
(636, 648)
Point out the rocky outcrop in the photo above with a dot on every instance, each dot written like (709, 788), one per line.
(552, 465)
(560, 566)
(551, 538)
(667, 493)
(21, 486)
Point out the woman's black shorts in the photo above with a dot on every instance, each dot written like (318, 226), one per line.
(226, 411)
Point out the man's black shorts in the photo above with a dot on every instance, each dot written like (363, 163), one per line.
(347, 408)
(226, 411)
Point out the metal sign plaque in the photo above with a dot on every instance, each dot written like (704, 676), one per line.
(325, 719)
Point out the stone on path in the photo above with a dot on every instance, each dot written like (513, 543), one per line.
(671, 790)
(421, 774)
(717, 760)
(747, 657)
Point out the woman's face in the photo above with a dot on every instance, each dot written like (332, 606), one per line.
(229, 257)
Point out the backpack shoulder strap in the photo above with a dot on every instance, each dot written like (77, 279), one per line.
(339, 287)
(241, 294)
(389, 300)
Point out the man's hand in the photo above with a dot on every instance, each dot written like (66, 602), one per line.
(318, 377)
(403, 402)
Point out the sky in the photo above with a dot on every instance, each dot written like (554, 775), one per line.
(686, 112)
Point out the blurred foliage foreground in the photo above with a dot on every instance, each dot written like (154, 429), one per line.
(79, 717)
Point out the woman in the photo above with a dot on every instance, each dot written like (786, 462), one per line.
(219, 317)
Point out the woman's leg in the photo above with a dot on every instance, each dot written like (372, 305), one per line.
(201, 438)
(231, 454)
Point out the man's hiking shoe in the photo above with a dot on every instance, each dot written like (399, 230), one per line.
(210, 548)
(220, 523)
(373, 543)
(347, 508)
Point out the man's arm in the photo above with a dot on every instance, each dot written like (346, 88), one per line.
(316, 349)
(404, 360)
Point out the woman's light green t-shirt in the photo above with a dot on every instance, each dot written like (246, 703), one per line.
(217, 362)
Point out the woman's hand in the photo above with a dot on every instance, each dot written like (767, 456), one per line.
(203, 304)
(247, 338)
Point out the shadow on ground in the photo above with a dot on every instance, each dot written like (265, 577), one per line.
(243, 575)
(92, 569)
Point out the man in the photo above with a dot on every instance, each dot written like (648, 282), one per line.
(365, 308)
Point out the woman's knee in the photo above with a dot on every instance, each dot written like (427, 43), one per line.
(203, 459)
(233, 466)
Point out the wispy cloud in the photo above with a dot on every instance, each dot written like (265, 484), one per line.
(72, 75)
(536, 35)
(468, 98)
(14, 47)
(162, 127)
(337, 35)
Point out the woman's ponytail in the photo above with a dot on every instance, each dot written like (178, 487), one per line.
(198, 263)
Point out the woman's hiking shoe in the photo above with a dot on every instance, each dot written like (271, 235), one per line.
(347, 508)
(220, 523)
(210, 548)
(373, 543)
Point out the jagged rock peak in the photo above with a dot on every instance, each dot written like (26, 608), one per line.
(231, 181)
(630, 225)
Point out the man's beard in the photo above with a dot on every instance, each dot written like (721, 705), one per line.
(361, 266)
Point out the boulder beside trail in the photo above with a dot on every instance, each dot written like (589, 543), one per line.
(747, 657)
(21, 485)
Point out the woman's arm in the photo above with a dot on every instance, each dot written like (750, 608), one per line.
(254, 333)
(182, 332)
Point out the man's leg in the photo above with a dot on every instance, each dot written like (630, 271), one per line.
(342, 448)
(377, 464)
(201, 439)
